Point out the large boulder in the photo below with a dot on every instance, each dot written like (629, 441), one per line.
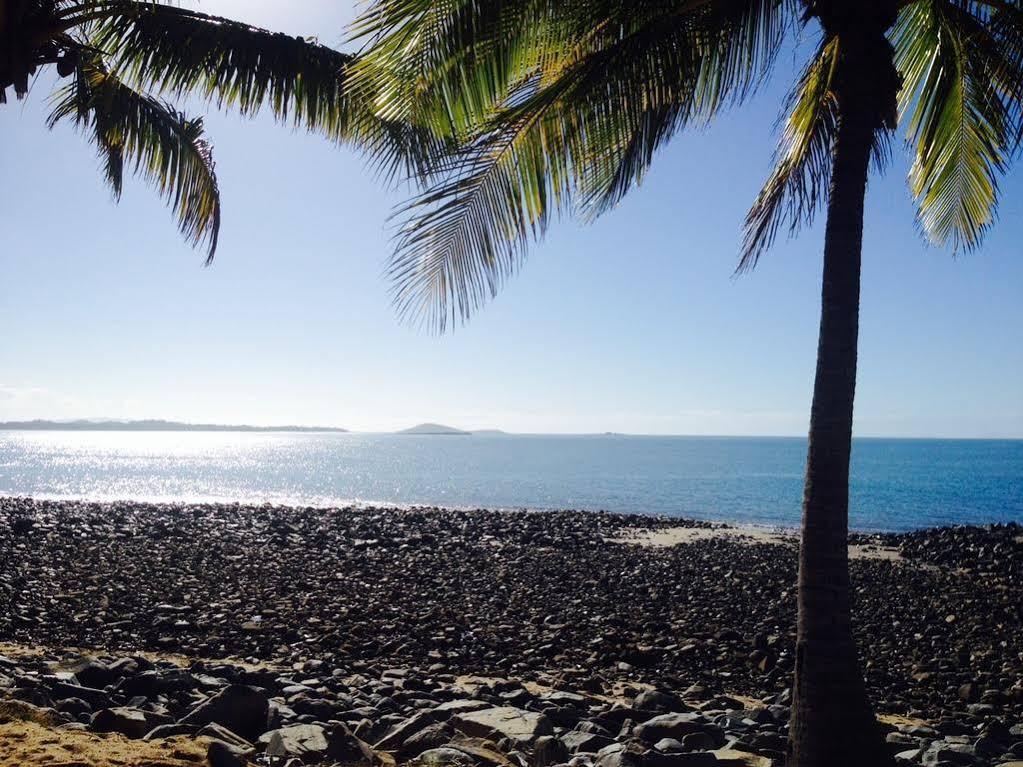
(130, 722)
(220, 754)
(658, 702)
(431, 736)
(406, 729)
(674, 726)
(312, 743)
(577, 740)
(241, 709)
(549, 750)
(307, 742)
(96, 699)
(519, 726)
(232, 740)
(94, 673)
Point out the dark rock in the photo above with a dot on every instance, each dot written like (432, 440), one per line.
(659, 702)
(548, 750)
(576, 741)
(619, 757)
(307, 742)
(408, 727)
(241, 709)
(93, 673)
(670, 726)
(130, 722)
(691, 759)
(445, 757)
(95, 698)
(431, 736)
(220, 754)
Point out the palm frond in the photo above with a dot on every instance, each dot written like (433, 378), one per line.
(738, 43)
(169, 49)
(799, 182)
(156, 141)
(957, 120)
(568, 127)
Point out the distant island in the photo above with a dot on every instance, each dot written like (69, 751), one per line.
(149, 425)
(434, 429)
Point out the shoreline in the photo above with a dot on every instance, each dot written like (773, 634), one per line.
(559, 602)
(356, 504)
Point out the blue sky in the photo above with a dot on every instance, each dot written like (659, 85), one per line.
(632, 324)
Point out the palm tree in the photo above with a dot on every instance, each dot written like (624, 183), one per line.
(113, 51)
(539, 107)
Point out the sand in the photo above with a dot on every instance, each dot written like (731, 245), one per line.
(29, 740)
(675, 536)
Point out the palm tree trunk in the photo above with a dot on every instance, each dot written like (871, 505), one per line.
(832, 721)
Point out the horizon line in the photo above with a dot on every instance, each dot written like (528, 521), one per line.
(110, 424)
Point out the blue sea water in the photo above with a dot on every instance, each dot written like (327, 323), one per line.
(896, 484)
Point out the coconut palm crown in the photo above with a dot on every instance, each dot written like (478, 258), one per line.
(115, 53)
(543, 107)
(559, 107)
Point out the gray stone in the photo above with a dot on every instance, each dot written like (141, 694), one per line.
(453, 707)
(235, 742)
(619, 758)
(130, 722)
(409, 727)
(659, 702)
(670, 726)
(97, 699)
(909, 755)
(519, 726)
(702, 741)
(438, 757)
(668, 745)
(576, 741)
(431, 736)
(171, 730)
(305, 741)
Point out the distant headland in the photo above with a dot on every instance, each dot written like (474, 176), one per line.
(150, 425)
(434, 429)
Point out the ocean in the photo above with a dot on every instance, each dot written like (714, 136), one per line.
(896, 484)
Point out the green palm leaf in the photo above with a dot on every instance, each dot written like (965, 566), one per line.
(157, 142)
(799, 182)
(569, 127)
(958, 123)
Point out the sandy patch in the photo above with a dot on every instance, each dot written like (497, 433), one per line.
(897, 721)
(864, 551)
(27, 739)
(675, 536)
(70, 656)
(730, 758)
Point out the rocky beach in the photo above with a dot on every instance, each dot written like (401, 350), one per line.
(281, 635)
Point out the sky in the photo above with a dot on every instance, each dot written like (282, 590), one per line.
(632, 324)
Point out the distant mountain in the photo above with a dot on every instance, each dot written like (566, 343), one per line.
(433, 428)
(148, 425)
